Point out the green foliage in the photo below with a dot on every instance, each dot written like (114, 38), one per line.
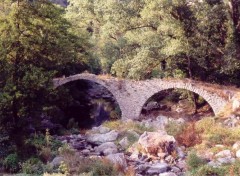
(36, 45)
(215, 133)
(63, 168)
(32, 166)
(45, 146)
(72, 124)
(11, 162)
(97, 167)
(173, 128)
(128, 125)
(194, 161)
(142, 39)
(209, 171)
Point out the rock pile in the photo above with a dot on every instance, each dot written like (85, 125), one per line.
(154, 153)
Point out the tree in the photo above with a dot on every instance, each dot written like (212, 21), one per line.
(35, 47)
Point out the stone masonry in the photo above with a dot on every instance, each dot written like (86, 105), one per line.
(132, 95)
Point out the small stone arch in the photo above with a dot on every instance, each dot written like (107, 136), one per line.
(89, 77)
(215, 101)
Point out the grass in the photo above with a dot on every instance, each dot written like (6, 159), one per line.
(74, 164)
(199, 167)
(127, 125)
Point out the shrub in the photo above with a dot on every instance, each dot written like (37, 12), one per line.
(32, 166)
(45, 145)
(11, 163)
(215, 133)
(45, 154)
(205, 124)
(234, 169)
(206, 170)
(97, 167)
(189, 136)
(54, 174)
(194, 161)
(63, 168)
(128, 125)
(173, 128)
(72, 124)
(113, 124)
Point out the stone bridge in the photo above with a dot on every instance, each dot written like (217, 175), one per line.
(132, 95)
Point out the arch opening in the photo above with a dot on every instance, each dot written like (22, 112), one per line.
(86, 104)
(176, 103)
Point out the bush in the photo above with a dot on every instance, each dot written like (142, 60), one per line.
(11, 163)
(44, 145)
(33, 166)
(97, 167)
(173, 128)
(189, 136)
(206, 170)
(194, 161)
(72, 124)
(215, 133)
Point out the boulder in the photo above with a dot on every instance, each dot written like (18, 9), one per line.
(151, 106)
(106, 148)
(117, 159)
(158, 168)
(235, 104)
(168, 174)
(214, 164)
(85, 152)
(238, 153)
(102, 138)
(226, 160)
(181, 164)
(110, 151)
(124, 143)
(180, 153)
(134, 133)
(156, 143)
(224, 154)
(236, 145)
(161, 122)
(101, 130)
(162, 119)
(57, 161)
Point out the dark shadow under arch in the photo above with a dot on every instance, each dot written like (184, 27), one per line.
(171, 102)
(89, 103)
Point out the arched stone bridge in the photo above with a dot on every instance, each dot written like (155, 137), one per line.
(132, 95)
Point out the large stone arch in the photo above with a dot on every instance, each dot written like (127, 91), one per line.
(93, 78)
(155, 86)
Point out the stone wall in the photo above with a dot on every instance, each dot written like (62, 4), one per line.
(132, 95)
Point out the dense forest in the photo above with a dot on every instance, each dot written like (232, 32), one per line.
(134, 39)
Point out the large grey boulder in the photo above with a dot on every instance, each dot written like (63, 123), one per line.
(102, 138)
(118, 159)
(156, 143)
